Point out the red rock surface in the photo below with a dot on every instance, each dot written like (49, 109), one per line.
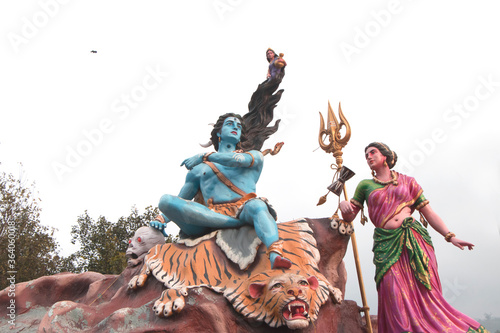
(92, 302)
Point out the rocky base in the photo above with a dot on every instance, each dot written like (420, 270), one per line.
(92, 302)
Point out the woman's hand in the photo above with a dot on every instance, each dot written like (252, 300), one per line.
(346, 207)
(348, 210)
(461, 243)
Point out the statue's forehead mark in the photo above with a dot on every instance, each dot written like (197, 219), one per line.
(232, 119)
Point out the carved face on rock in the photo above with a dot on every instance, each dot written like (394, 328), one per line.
(143, 239)
(287, 297)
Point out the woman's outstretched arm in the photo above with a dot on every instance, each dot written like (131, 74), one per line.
(438, 224)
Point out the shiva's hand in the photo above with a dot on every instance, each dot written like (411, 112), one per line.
(191, 162)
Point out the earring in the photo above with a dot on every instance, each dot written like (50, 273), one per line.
(385, 163)
(219, 138)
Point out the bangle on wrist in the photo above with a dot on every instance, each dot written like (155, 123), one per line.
(449, 236)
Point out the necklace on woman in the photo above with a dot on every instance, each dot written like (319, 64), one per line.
(393, 181)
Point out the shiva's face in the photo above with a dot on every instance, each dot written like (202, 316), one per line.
(231, 130)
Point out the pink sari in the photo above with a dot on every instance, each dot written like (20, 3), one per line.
(404, 303)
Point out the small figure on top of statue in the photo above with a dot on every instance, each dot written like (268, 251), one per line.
(277, 65)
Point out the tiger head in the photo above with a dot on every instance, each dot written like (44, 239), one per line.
(283, 298)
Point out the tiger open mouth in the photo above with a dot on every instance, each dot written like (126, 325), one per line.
(296, 309)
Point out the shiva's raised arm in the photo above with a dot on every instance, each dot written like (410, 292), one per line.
(236, 159)
(230, 159)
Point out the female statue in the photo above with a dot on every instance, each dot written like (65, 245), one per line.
(410, 297)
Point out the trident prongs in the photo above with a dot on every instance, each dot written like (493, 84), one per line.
(333, 132)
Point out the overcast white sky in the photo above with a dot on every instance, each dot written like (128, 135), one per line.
(108, 130)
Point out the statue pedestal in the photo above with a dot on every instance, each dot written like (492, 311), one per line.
(91, 301)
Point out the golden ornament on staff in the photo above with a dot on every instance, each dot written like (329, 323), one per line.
(331, 141)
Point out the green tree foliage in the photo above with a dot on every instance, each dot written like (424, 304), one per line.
(33, 250)
(103, 243)
(30, 246)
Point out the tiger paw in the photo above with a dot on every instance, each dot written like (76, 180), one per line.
(137, 281)
(336, 294)
(170, 302)
(345, 228)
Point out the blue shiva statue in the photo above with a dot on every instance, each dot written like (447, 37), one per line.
(227, 179)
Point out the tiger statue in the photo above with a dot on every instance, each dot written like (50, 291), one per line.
(278, 297)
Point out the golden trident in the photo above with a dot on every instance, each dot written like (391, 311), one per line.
(335, 143)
